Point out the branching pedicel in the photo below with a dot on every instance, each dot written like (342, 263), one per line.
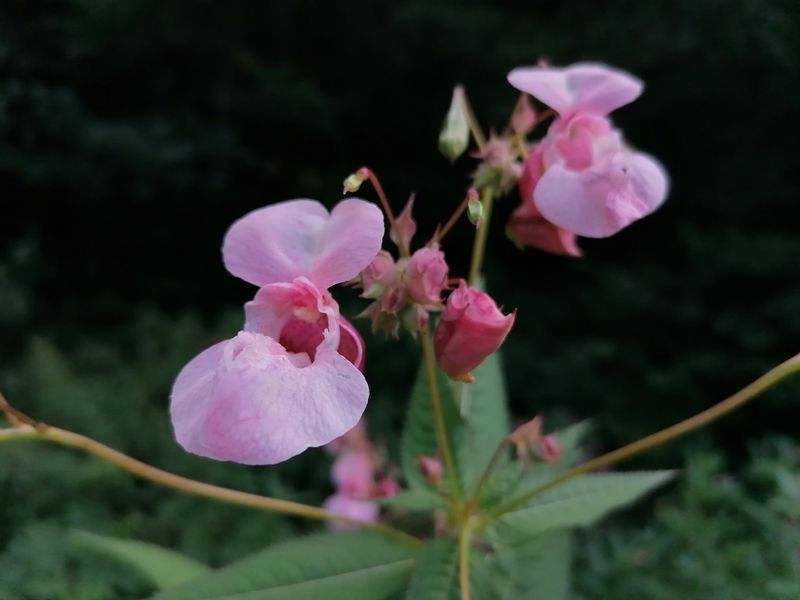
(292, 379)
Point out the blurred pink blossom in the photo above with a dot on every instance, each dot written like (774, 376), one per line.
(591, 184)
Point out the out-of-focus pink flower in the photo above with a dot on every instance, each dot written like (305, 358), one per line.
(499, 167)
(591, 184)
(353, 474)
(354, 440)
(426, 276)
(471, 328)
(291, 379)
(341, 504)
(527, 226)
(431, 468)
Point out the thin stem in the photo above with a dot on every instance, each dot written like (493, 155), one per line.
(474, 126)
(376, 183)
(697, 421)
(15, 418)
(471, 195)
(464, 542)
(479, 247)
(498, 454)
(438, 414)
(190, 486)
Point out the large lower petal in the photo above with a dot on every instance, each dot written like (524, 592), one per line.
(599, 201)
(249, 401)
(582, 87)
(297, 238)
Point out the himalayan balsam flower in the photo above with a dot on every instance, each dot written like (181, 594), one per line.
(592, 184)
(290, 380)
(471, 328)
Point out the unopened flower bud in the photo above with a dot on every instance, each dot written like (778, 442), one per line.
(378, 276)
(404, 228)
(523, 117)
(353, 182)
(474, 208)
(529, 442)
(431, 468)
(426, 276)
(471, 328)
(387, 487)
(454, 136)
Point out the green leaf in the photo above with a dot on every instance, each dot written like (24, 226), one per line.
(331, 566)
(534, 568)
(164, 568)
(580, 501)
(502, 484)
(435, 574)
(569, 439)
(419, 436)
(415, 500)
(483, 407)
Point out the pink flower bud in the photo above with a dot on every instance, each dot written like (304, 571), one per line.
(388, 487)
(379, 275)
(523, 118)
(426, 276)
(530, 442)
(431, 468)
(404, 228)
(352, 474)
(471, 328)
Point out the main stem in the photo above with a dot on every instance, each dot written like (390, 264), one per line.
(697, 421)
(464, 542)
(190, 486)
(438, 415)
(479, 247)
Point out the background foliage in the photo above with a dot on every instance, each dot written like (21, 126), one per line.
(132, 132)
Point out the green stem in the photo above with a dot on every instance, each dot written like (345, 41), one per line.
(464, 541)
(438, 414)
(697, 421)
(479, 247)
(184, 484)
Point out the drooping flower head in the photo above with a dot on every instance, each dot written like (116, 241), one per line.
(291, 379)
(592, 184)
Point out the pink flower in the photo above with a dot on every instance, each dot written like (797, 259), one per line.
(291, 379)
(388, 487)
(379, 275)
(431, 468)
(426, 276)
(344, 505)
(527, 226)
(471, 328)
(592, 184)
(353, 474)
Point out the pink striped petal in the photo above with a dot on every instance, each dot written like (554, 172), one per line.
(298, 238)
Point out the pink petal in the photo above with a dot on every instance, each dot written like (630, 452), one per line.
(340, 504)
(249, 401)
(297, 238)
(599, 201)
(351, 344)
(582, 87)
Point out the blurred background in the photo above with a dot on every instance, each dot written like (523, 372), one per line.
(133, 132)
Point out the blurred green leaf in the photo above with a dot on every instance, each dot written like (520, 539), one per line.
(531, 568)
(418, 499)
(580, 501)
(435, 574)
(164, 568)
(331, 566)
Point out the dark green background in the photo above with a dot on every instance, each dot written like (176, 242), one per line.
(132, 133)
